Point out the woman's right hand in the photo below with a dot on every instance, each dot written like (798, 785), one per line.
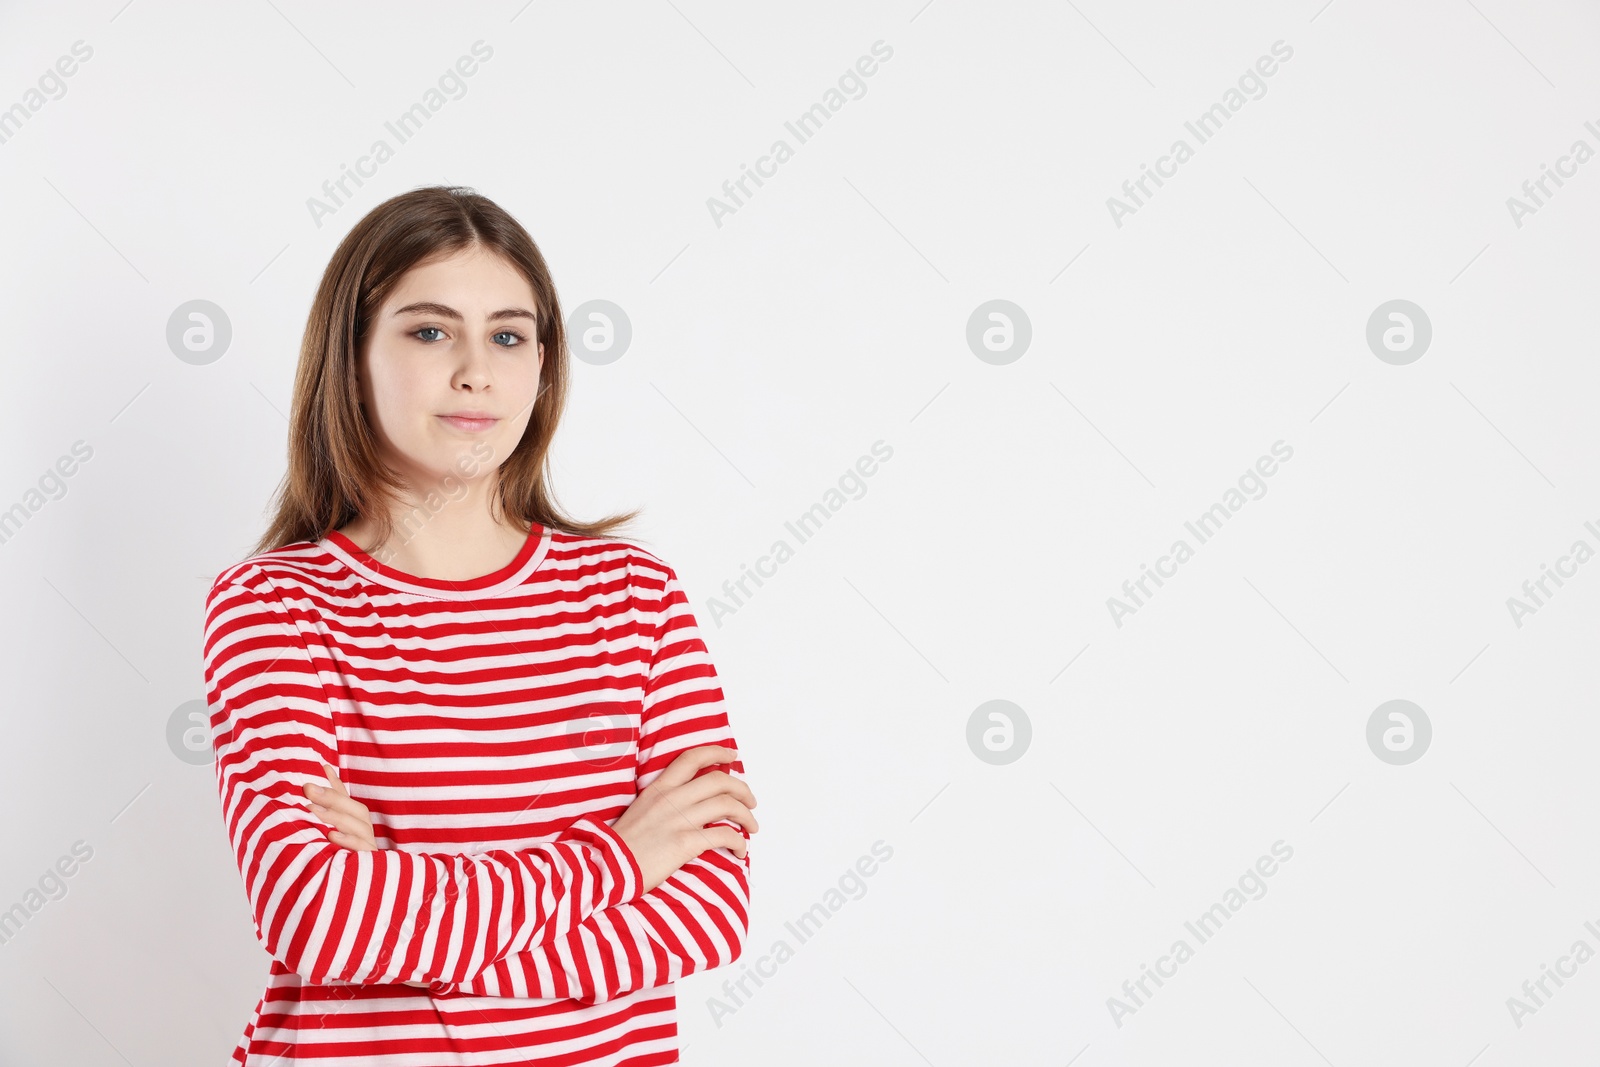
(665, 826)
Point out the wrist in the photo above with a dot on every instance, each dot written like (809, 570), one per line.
(623, 865)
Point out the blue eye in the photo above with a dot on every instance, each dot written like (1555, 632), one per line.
(520, 340)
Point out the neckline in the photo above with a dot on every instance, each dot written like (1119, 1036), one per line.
(532, 553)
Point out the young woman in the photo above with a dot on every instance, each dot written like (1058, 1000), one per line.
(531, 818)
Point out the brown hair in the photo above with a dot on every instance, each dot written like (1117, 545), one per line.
(335, 474)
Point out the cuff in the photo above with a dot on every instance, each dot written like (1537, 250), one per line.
(625, 880)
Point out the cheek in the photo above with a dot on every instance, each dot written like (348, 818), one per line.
(525, 384)
(402, 394)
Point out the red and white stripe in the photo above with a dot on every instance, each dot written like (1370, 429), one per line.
(495, 729)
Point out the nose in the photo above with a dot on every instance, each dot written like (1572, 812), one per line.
(475, 370)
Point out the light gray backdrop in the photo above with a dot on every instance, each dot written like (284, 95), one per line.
(1349, 277)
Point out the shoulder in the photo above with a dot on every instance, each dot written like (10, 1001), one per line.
(610, 555)
(626, 574)
(267, 572)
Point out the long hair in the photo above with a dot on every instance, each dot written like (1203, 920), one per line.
(335, 474)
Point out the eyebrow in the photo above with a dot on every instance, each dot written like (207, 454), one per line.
(428, 307)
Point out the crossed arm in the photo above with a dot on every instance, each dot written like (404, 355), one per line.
(695, 920)
(565, 919)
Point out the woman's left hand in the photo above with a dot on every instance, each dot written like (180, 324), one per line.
(351, 820)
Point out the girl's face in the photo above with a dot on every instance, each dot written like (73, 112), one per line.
(457, 336)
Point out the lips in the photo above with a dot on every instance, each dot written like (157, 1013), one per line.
(470, 421)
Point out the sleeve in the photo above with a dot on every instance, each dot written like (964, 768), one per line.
(385, 916)
(699, 917)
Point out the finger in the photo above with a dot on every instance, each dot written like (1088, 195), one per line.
(353, 843)
(339, 820)
(706, 798)
(333, 776)
(327, 800)
(337, 801)
(722, 806)
(742, 815)
(325, 794)
(350, 824)
(344, 840)
(735, 786)
(725, 837)
(712, 783)
(691, 762)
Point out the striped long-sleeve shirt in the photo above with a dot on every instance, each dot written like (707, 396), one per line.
(495, 728)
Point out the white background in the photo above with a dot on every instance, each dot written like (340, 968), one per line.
(769, 353)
